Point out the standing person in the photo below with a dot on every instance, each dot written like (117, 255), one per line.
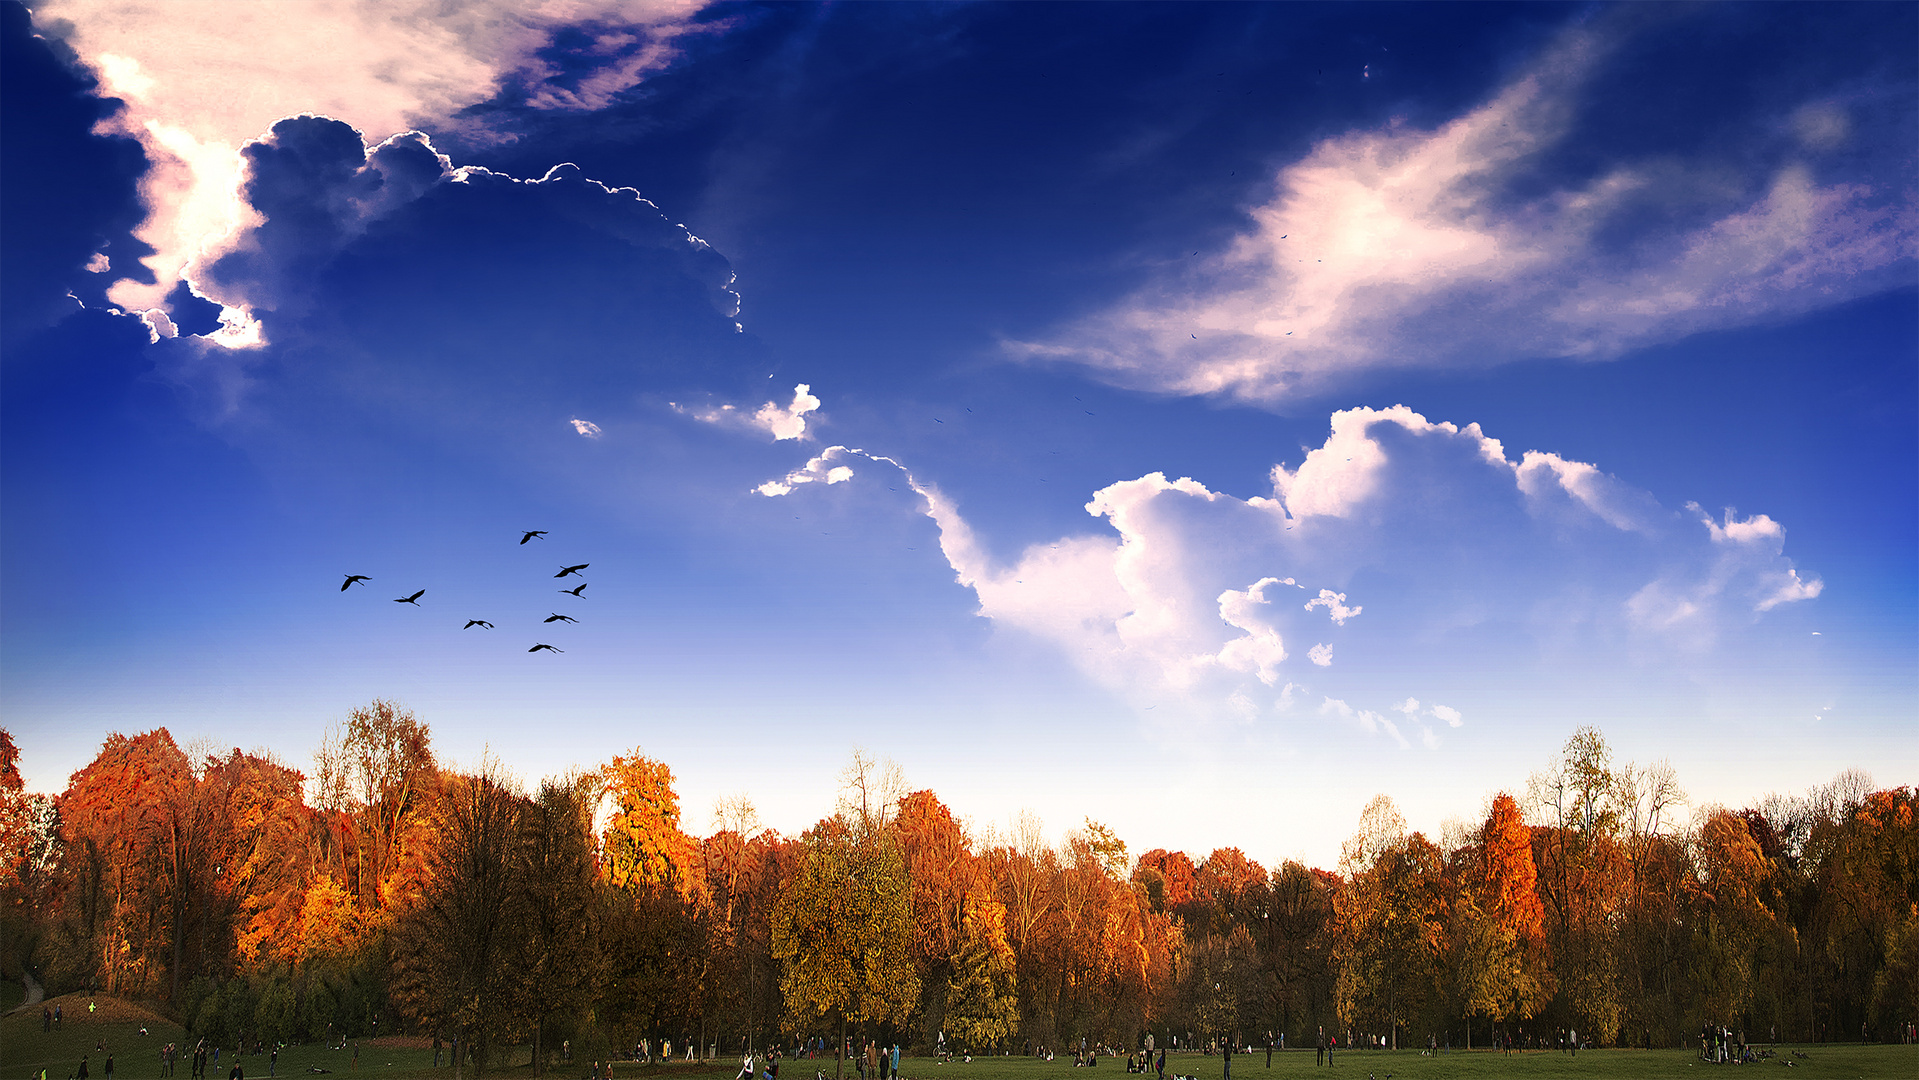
(1269, 1049)
(108, 1068)
(46, 1018)
(1226, 1053)
(896, 1061)
(1319, 1049)
(273, 1059)
(56, 1016)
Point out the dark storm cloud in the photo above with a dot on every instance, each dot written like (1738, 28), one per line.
(70, 194)
(384, 270)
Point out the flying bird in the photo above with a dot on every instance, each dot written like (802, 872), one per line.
(572, 570)
(353, 579)
(559, 618)
(548, 648)
(471, 623)
(575, 590)
(414, 599)
(531, 534)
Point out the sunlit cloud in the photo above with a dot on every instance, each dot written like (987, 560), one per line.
(200, 80)
(1175, 599)
(1406, 247)
(783, 422)
(585, 427)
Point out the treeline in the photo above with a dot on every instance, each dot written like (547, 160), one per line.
(387, 893)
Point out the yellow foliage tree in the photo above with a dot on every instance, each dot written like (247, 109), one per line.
(843, 931)
(643, 847)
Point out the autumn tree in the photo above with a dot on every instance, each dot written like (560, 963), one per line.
(126, 864)
(375, 769)
(1581, 874)
(643, 846)
(1500, 963)
(843, 930)
(945, 877)
(459, 936)
(29, 838)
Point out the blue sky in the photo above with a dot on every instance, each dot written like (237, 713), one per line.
(1196, 417)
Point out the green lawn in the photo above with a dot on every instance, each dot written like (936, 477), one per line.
(25, 1050)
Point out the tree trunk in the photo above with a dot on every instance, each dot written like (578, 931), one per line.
(839, 1052)
(539, 1021)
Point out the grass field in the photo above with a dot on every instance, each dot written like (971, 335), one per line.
(25, 1050)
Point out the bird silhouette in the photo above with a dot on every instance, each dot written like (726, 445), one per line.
(548, 648)
(531, 533)
(414, 599)
(572, 570)
(559, 618)
(353, 579)
(471, 623)
(575, 590)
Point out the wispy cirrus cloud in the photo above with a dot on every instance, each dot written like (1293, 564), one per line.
(1406, 247)
(1176, 597)
(201, 80)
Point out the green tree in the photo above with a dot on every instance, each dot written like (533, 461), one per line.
(982, 994)
(1392, 922)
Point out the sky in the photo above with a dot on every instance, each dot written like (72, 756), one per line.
(1195, 418)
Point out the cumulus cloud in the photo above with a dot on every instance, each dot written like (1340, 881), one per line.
(200, 80)
(1172, 597)
(1401, 246)
(783, 422)
(586, 427)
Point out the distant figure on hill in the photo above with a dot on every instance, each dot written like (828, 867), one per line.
(82, 1074)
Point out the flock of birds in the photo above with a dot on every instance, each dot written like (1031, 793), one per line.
(556, 617)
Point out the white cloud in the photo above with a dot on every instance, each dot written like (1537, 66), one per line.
(1398, 247)
(788, 422)
(1410, 707)
(99, 263)
(200, 80)
(1335, 605)
(1365, 720)
(1451, 535)
(783, 422)
(585, 427)
(1260, 650)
